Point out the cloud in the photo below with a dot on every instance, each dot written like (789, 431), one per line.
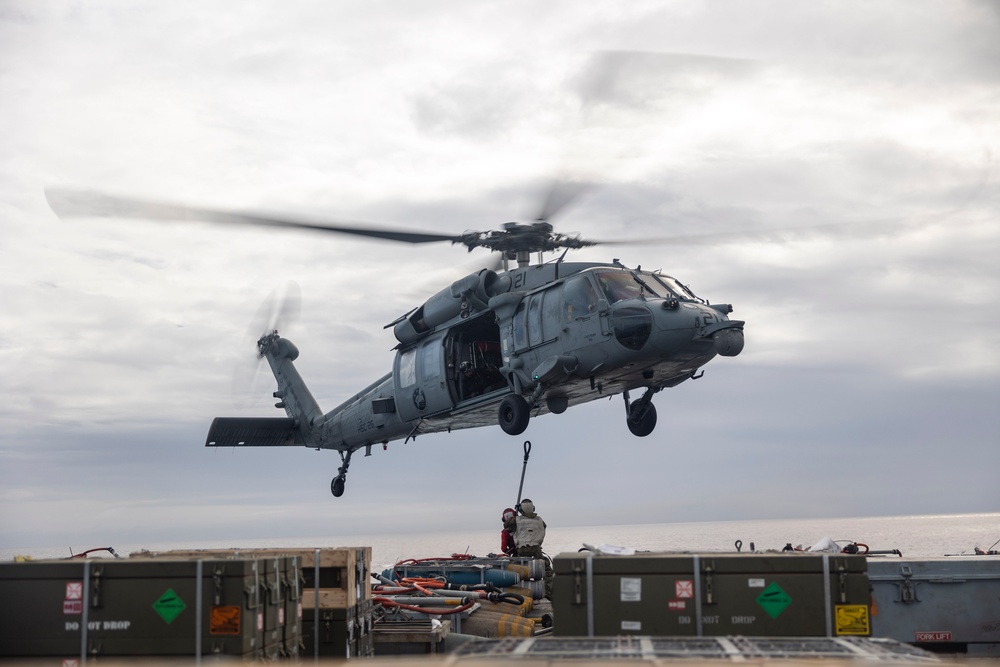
(870, 370)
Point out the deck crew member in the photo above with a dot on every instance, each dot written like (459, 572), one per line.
(507, 545)
(528, 530)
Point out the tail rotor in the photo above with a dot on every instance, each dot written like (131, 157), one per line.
(279, 311)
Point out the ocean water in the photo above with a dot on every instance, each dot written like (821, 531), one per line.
(914, 536)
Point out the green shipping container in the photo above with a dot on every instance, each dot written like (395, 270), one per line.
(142, 607)
(282, 582)
(342, 633)
(761, 595)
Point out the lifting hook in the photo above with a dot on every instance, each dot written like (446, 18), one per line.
(524, 468)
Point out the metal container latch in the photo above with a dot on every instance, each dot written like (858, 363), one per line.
(708, 568)
(217, 578)
(578, 572)
(95, 586)
(907, 587)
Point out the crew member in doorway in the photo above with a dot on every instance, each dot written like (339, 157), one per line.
(473, 381)
(506, 537)
(528, 530)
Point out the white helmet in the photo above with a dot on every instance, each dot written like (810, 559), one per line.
(527, 507)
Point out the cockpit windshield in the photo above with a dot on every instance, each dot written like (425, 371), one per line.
(675, 287)
(618, 285)
(625, 284)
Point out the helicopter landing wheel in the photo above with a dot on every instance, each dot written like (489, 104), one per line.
(641, 418)
(513, 414)
(337, 486)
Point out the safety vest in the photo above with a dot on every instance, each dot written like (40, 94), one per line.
(530, 531)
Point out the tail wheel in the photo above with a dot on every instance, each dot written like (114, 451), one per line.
(513, 414)
(337, 486)
(641, 418)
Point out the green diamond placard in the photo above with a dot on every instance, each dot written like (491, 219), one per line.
(169, 606)
(774, 600)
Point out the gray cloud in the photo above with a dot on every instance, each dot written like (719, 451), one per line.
(870, 373)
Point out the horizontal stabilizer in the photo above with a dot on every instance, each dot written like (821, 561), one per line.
(253, 432)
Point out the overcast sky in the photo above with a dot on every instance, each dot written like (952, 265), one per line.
(870, 380)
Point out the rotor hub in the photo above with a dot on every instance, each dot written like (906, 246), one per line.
(517, 238)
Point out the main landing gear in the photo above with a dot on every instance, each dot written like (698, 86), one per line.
(640, 414)
(513, 414)
(337, 485)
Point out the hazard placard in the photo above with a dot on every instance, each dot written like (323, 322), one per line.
(852, 619)
(224, 620)
(74, 590)
(684, 589)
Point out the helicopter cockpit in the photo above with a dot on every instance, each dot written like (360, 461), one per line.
(620, 285)
(632, 324)
(676, 288)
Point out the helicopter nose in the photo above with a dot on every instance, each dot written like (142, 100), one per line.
(728, 342)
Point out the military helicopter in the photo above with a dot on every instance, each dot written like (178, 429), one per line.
(497, 347)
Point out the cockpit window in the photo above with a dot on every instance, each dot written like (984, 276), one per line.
(633, 325)
(675, 287)
(580, 298)
(619, 285)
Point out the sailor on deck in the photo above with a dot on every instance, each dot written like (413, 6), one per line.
(528, 530)
(506, 537)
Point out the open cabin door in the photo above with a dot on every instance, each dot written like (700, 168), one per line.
(452, 367)
(422, 374)
(475, 344)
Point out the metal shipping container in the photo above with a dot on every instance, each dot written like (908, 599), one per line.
(950, 604)
(328, 584)
(339, 633)
(281, 583)
(152, 607)
(661, 594)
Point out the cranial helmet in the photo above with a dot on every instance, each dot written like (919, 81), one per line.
(508, 514)
(527, 507)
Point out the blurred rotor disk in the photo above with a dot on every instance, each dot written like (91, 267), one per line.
(278, 311)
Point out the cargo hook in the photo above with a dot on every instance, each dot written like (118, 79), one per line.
(524, 468)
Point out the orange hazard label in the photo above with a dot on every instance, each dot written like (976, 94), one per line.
(224, 620)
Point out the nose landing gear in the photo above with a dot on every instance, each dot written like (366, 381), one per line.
(641, 413)
(337, 485)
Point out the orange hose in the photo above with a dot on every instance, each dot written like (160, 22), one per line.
(388, 602)
(414, 561)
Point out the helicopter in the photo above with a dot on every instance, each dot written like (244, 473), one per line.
(497, 347)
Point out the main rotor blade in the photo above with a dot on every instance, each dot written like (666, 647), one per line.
(68, 203)
(628, 80)
(560, 195)
(855, 230)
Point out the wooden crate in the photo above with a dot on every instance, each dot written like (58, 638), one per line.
(344, 577)
(344, 572)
